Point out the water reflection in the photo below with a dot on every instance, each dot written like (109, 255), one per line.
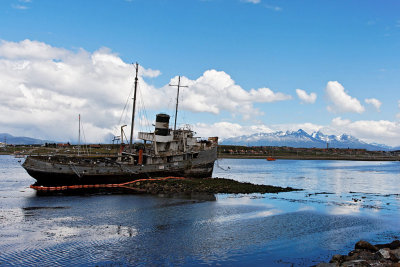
(316, 175)
(191, 195)
(339, 206)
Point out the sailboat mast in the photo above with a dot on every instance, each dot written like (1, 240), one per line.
(177, 101)
(177, 98)
(134, 107)
(79, 135)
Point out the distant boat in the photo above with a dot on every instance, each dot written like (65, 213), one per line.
(271, 159)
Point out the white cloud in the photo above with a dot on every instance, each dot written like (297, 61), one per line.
(21, 7)
(45, 88)
(274, 8)
(341, 101)
(398, 114)
(252, 1)
(227, 129)
(221, 129)
(374, 102)
(306, 126)
(382, 131)
(306, 98)
(215, 91)
(28, 49)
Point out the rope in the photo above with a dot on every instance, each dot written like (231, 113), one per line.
(217, 163)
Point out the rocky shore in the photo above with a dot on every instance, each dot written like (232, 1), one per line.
(366, 254)
(208, 185)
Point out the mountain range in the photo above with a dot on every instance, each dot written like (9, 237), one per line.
(20, 140)
(301, 138)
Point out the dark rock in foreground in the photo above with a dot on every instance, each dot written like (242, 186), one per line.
(366, 254)
(208, 185)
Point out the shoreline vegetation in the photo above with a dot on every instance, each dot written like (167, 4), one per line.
(263, 152)
(205, 185)
(203, 188)
(224, 151)
(316, 157)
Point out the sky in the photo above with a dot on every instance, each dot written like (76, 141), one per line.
(250, 66)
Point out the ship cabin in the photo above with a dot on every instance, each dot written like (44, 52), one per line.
(169, 145)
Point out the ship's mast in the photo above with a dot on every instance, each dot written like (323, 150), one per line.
(177, 98)
(134, 107)
(79, 135)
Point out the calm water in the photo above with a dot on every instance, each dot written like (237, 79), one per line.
(343, 202)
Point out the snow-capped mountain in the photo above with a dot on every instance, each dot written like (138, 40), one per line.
(302, 139)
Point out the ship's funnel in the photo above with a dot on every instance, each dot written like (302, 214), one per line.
(162, 124)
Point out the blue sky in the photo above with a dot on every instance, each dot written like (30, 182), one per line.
(280, 45)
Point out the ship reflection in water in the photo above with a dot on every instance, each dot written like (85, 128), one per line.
(339, 206)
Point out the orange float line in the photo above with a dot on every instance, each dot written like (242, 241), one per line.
(123, 185)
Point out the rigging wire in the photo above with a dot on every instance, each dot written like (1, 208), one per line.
(142, 110)
(217, 164)
(126, 104)
(124, 113)
(84, 138)
(181, 96)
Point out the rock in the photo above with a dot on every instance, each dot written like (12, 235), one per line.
(355, 263)
(396, 252)
(365, 245)
(385, 253)
(323, 264)
(337, 258)
(366, 254)
(393, 257)
(395, 244)
(360, 254)
(388, 254)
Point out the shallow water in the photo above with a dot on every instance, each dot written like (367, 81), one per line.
(343, 202)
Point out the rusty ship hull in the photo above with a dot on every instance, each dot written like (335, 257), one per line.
(57, 170)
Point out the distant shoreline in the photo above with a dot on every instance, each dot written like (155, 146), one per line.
(349, 158)
(236, 152)
(352, 158)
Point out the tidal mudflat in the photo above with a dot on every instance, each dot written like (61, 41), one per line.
(343, 202)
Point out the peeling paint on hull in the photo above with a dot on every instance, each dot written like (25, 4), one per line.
(49, 172)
